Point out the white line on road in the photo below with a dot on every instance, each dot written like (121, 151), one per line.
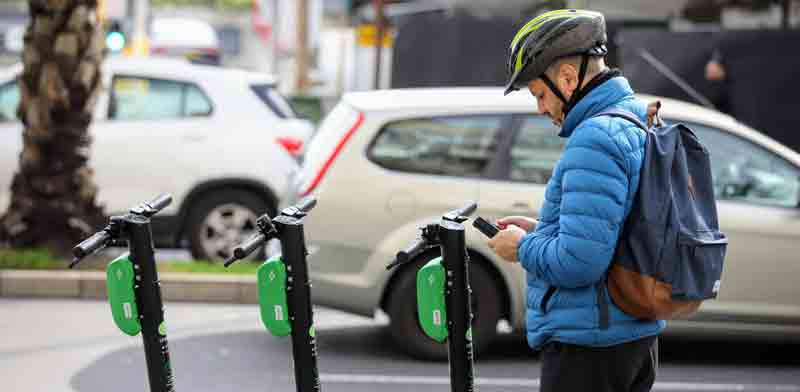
(423, 380)
(534, 383)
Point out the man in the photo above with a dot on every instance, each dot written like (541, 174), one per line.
(587, 342)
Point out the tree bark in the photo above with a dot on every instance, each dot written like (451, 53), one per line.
(53, 196)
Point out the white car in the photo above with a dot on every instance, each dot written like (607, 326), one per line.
(192, 39)
(383, 163)
(223, 142)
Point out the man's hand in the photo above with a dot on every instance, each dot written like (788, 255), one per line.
(505, 243)
(523, 222)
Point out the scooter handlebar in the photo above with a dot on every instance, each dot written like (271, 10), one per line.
(404, 256)
(246, 248)
(457, 215)
(90, 245)
(160, 202)
(306, 204)
(467, 210)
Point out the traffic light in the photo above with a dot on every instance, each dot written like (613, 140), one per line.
(115, 37)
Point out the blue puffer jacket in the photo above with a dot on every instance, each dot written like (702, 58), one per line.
(586, 202)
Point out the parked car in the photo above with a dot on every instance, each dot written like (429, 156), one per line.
(193, 39)
(384, 163)
(223, 142)
(13, 21)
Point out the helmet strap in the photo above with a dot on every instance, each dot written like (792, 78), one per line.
(573, 99)
(568, 104)
(553, 88)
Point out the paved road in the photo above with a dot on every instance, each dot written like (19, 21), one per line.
(73, 346)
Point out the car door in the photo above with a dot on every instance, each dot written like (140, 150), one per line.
(526, 156)
(149, 142)
(445, 156)
(757, 195)
(10, 139)
(419, 167)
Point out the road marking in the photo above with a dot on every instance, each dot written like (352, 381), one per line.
(423, 380)
(713, 387)
(534, 383)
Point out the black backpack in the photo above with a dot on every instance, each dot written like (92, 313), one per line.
(670, 253)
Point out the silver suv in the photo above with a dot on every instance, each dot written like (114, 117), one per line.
(383, 163)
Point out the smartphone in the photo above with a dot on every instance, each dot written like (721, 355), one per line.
(485, 227)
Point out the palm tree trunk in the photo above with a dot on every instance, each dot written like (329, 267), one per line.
(52, 194)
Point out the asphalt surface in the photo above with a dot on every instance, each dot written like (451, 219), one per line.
(73, 345)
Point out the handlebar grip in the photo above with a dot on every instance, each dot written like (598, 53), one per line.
(91, 244)
(485, 227)
(403, 256)
(246, 248)
(160, 202)
(466, 210)
(306, 204)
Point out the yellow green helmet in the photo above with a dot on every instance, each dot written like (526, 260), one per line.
(551, 36)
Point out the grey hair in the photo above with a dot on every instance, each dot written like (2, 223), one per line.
(593, 66)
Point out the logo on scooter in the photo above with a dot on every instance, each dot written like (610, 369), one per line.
(437, 317)
(128, 310)
(431, 280)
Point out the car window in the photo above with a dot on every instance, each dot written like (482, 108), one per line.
(535, 151)
(197, 104)
(744, 171)
(9, 99)
(455, 146)
(135, 98)
(274, 100)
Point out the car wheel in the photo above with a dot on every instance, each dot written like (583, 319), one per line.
(222, 220)
(402, 309)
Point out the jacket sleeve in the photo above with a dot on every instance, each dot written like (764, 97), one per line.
(594, 189)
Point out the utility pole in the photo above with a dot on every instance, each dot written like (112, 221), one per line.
(786, 5)
(275, 33)
(302, 56)
(380, 26)
(140, 45)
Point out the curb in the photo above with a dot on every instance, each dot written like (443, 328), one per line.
(92, 284)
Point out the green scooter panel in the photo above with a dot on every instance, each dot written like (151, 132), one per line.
(430, 300)
(272, 297)
(119, 282)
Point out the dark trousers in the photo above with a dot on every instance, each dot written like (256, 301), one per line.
(627, 367)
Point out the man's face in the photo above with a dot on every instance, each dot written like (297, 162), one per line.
(549, 104)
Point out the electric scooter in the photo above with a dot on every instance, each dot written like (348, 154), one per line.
(443, 292)
(134, 291)
(284, 289)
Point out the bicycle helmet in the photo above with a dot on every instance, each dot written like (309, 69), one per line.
(549, 37)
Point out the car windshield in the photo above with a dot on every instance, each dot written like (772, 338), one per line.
(272, 98)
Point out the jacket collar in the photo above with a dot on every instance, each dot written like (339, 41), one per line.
(607, 94)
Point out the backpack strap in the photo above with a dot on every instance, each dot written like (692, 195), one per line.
(622, 113)
(653, 115)
(600, 291)
(602, 302)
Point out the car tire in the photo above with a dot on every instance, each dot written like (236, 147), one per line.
(402, 310)
(223, 219)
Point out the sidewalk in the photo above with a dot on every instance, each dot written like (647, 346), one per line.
(194, 287)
